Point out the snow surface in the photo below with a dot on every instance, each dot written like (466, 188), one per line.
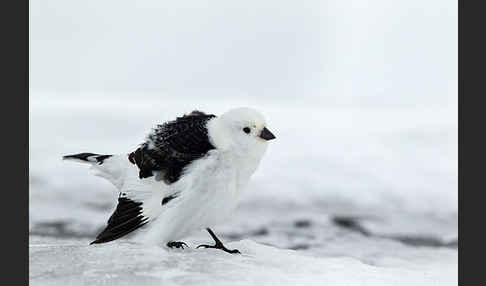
(73, 262)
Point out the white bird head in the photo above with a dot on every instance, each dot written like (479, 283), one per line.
(241, 130)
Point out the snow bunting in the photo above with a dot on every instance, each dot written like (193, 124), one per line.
(188, 175)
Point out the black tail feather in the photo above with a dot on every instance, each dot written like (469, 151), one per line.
(87, 157)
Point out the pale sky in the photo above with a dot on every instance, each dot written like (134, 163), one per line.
(399, 49)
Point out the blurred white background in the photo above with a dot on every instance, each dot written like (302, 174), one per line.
(362, 96)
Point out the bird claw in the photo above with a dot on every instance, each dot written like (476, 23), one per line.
(176, 244)
(233, 251)
(216, 246)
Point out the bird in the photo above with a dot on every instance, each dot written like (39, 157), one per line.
(188, 175)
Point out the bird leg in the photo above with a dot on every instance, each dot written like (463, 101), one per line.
(217, 244)
(176, 244)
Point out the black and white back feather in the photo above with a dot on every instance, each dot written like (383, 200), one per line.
(172, 146)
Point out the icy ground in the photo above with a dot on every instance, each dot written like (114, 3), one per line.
(351, 192)
(73, 262)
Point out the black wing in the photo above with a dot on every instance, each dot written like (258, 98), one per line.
(126, 218)
(172, 146)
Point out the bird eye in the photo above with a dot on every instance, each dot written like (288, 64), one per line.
(246, 130)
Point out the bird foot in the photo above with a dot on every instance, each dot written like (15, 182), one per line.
(176, 244)
(222, 247)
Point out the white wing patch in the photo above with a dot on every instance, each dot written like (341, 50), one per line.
(113, 169)
(124, 176)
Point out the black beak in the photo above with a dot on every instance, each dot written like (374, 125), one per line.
(266, 134)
